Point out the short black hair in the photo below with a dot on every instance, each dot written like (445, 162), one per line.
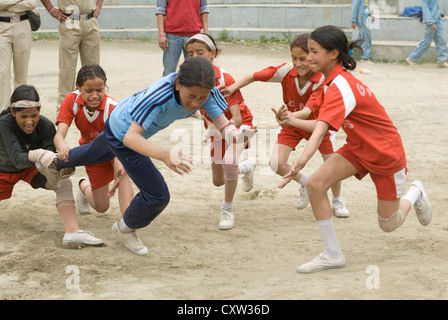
(197, 71)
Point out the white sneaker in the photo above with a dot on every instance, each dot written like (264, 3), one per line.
(82, 203)
(130, 240)
(423, 206)
(340, 210)
(82, 237)
(248, 178)
(303, 200)
(322, 262)
(443, 65)
(226, 221)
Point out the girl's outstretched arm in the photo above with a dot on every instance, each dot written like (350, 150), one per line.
(134, 140)
(310, 149)
(244, 81)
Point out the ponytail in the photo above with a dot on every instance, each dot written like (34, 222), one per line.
(346, 57)
(331, 37)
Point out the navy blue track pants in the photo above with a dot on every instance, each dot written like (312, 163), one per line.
(154, 194)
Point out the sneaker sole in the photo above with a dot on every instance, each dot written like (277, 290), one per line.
(79, 245)
(319, 269)
(340, 215)
(221, 227)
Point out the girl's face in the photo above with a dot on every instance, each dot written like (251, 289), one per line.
(320, 59)
(192, 97)
(27, 119)
(92, 91)
(300, 61)
(200, 49)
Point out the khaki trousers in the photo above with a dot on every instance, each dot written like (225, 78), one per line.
(76, 37)
(15, 48)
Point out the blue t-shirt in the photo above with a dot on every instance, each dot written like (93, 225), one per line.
(156, 107)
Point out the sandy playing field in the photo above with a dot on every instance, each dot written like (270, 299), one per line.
(189, 258)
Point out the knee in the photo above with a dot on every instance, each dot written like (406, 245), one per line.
(218, 181)
(162, 200)
(314, 184)
(277, 167)
(101, 207)
(393, 222)
(154, 206)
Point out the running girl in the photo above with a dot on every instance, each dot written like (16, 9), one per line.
(89, 106)
(302, 95)
(22, 132)
(373, 146)
(225, 156)
(135, 120)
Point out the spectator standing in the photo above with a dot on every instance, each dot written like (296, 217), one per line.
(15, 45)
(360, 15)
(433, 31)
(78, 35)
(177, 21)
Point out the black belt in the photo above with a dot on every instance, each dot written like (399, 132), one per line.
(80, 16)
(8, 19)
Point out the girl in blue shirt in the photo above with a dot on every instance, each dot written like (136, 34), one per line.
(137, 118)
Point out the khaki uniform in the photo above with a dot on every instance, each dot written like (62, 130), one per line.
(77, 35)
(15, 46)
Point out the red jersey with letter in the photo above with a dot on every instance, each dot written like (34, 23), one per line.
(371, 135)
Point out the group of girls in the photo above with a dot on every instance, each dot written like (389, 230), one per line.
(319, 95)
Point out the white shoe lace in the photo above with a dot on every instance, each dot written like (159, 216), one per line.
(225, 215)
(85, 234)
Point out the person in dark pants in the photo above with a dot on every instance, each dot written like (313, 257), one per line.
(134, 121)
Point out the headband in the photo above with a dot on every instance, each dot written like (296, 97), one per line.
(203, 38)
(25, 104)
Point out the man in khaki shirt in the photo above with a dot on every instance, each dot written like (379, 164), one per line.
(78, 34)
(15, 45)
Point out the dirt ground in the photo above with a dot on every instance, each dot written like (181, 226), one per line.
(189, 258)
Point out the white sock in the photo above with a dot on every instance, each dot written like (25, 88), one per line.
(303, 179)
(337, 199)
(228, 206)
(328, 234)
(123, 227)
(413, 195)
